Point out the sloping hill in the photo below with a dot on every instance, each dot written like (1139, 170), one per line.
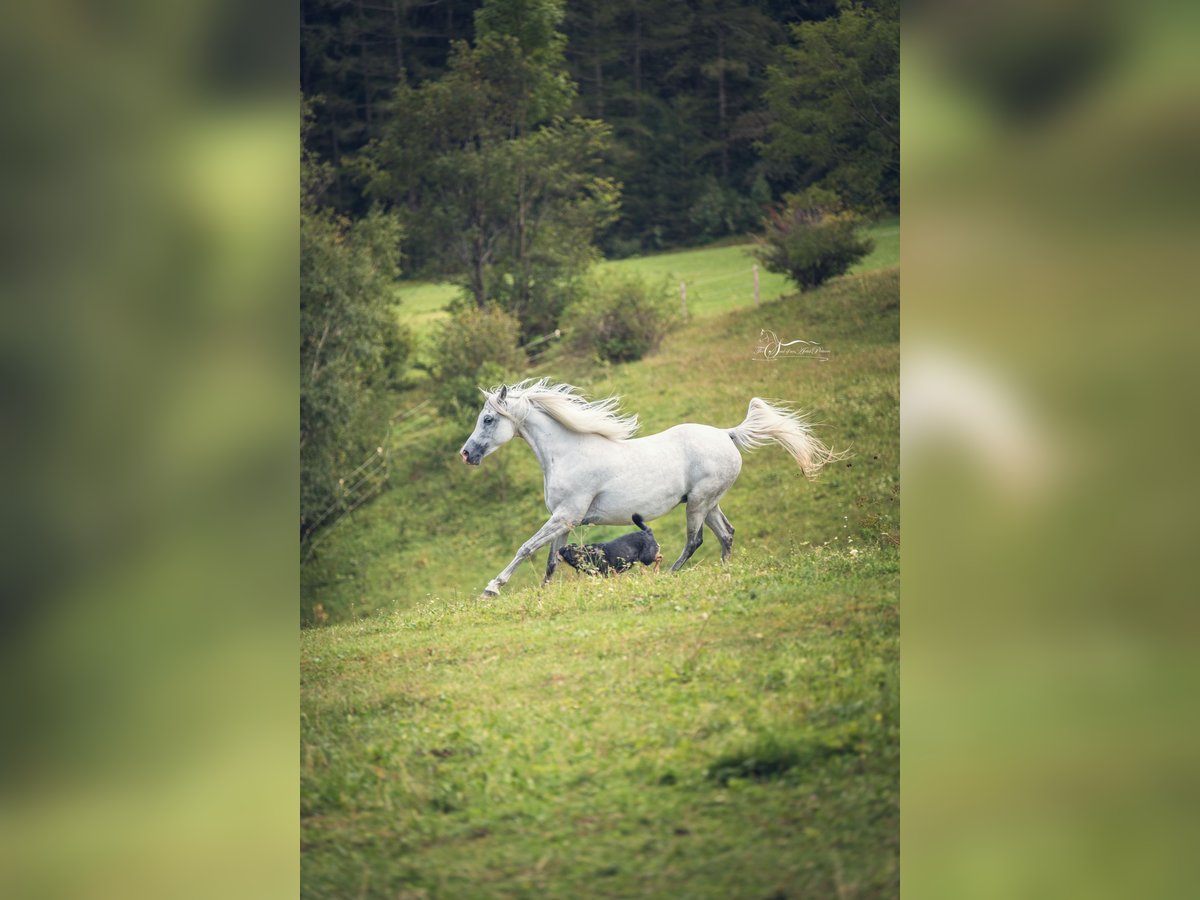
(722, 732)
(445, 530)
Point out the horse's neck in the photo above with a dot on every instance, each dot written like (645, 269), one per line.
(549, 440)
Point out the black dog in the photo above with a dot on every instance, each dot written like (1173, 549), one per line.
(617, 555)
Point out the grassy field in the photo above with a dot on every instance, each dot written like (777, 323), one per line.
(720, 733)
(718, 278)
(726, 731)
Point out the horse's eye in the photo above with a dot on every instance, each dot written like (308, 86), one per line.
(488, 420)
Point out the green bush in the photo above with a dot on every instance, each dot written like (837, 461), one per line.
(474, 348)
(812, 238)
(620, 318)
(351, 349)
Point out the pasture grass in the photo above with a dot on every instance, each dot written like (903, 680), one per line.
(723, 732)
(719, 277)
(422, 304)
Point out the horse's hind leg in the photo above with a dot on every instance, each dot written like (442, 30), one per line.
(695, 533)
(720, 526)
(552, 562)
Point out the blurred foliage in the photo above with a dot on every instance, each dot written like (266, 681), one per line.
(1050, 220)
(474, 348)
(148, 393)
(835, 104)
(351, 347)
(620, 318)
(812, 239)
(1025, 60)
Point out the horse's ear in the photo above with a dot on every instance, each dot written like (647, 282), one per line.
(503, 392)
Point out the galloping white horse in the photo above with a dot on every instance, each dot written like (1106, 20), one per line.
(596, 474)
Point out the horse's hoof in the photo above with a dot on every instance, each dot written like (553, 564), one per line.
(489, 592)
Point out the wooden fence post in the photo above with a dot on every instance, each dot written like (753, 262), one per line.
(683, 298)
(756, 284)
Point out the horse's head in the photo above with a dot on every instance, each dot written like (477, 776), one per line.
(494, 428)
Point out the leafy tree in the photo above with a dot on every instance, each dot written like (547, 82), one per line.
(557, 206)
(620, 318)
(353, 53)
(350, 342)
(812, 239)
(494, 183)
(835, 99)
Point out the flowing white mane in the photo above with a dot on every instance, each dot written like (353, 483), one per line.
(564, 404)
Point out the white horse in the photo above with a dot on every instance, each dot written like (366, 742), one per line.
(595, 473)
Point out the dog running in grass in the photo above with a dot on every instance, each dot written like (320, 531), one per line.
(617, 555)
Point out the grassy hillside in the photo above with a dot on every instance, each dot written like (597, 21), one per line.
(446, 529)
(718, 278)
(727, 731)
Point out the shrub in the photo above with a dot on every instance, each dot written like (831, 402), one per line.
(474, 348)
(620, 318)
(812, 239)
(351, 351)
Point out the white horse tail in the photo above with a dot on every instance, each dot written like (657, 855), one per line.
(767, 422)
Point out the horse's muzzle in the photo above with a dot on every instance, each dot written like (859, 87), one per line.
(466, 457)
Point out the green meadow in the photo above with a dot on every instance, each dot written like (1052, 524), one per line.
(719, 733)
(725, 731)
(718, 278)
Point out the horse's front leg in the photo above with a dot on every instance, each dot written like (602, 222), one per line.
(559, 524)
